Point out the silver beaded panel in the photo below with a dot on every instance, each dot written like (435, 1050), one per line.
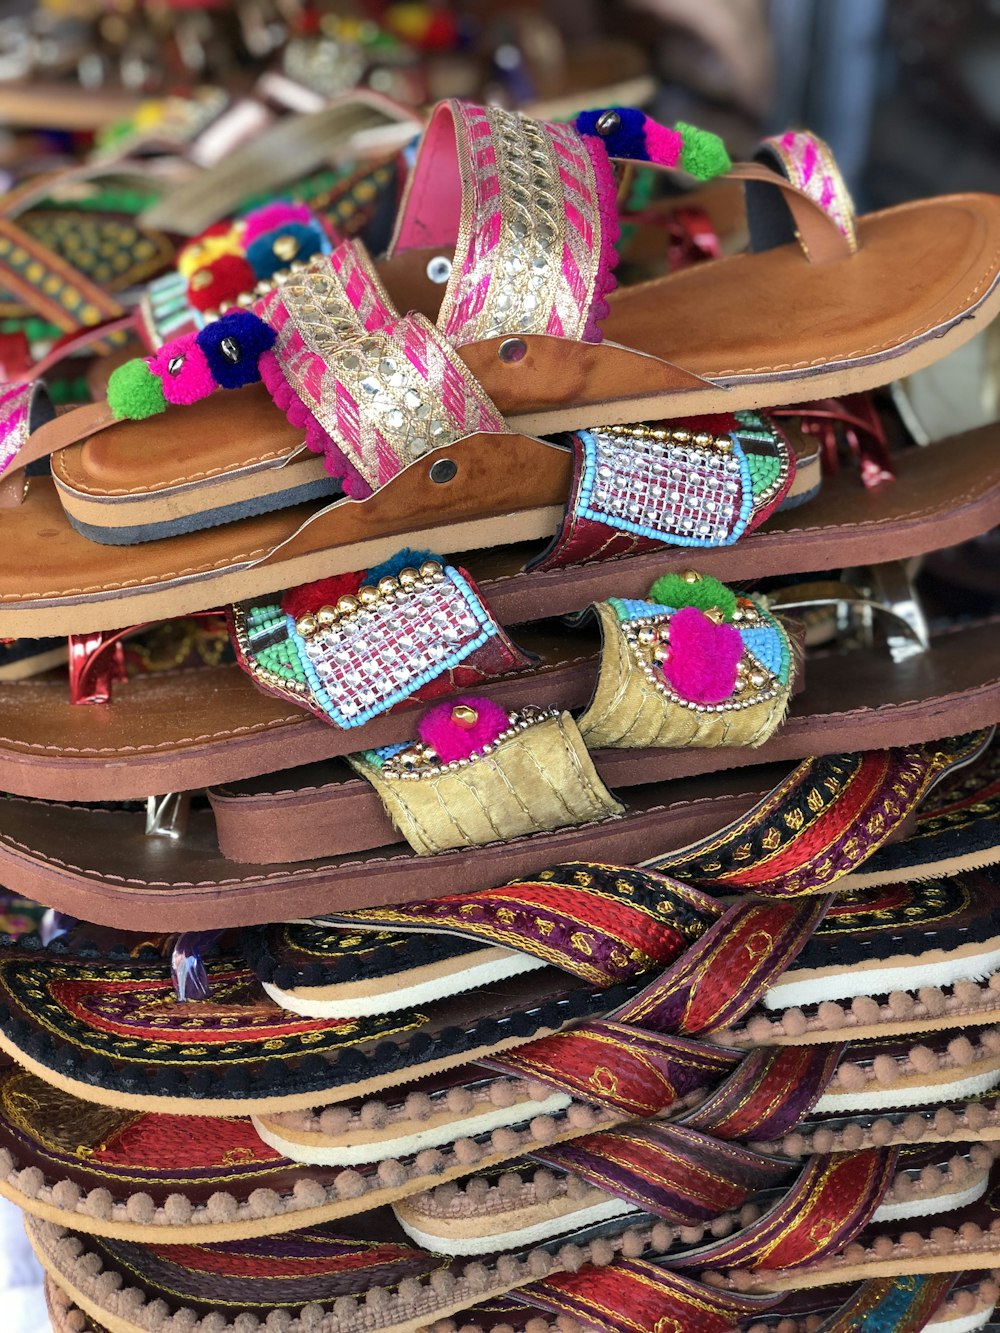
(667, 488)
(383, 652)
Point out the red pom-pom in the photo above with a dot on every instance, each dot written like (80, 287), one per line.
(461, 726)
(703, 657)
(223, 280)
(309, 597)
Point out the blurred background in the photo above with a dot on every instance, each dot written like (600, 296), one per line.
(905, 91)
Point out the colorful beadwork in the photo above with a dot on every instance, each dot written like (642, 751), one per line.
(676, 655)
(676, 486)
(355, 660)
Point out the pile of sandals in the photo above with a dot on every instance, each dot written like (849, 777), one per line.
(516, 853)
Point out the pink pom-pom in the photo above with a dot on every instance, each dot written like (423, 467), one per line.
(191, 378)
(703, 657)
(459, 727)
(663, 144)
(271, 216)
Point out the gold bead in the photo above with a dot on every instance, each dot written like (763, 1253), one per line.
(346, 605)
(408, 577)
(756, 680)
(724, 444)
(681, 436)
(285, 246)
(464, 716)
(387, 586)
(661, 653)
(430, 569)
(646, 634)
(326, 616)
(201, 280)
(715, 615)
(690, 576)
(703, 439)
(306, 626)
(368, 595)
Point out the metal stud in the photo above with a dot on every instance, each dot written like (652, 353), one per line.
(285, 246)
(445, 469)
(230, 349)
(439, 269)
(512, 350)
(608, 123)
(175, 365)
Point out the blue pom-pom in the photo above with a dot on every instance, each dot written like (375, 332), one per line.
(405, 559)
(232, 346)
(627, 141)
(265, 262)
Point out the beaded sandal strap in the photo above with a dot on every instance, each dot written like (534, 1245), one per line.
(706, 482)
(353, 647)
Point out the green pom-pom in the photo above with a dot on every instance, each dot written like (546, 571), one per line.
(704, 154)
(704, 593)
(134, 392)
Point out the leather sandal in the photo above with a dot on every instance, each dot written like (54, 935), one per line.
(100, 865)
(846, 1190)
(540, 460)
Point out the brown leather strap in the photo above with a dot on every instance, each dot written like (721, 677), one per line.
(818, 234)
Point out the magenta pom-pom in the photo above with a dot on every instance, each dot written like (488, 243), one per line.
(279, 214)
(189, 378)
(460, 727)
(663, 144)
(703, 657)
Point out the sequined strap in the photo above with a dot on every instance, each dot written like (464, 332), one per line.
(371, 391)
(702, 483)
(823, 821)
(634, 1296)
(676, 1174)
(807, 162)
(23, 408)
(537, 203)
(768, 1093)
(602, 923)
(351, 648)
(833, 1200)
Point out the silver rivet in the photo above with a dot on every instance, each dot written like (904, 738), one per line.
(439, 269)
(175, 364)
(445, 469)
(230, 349)
(608, 123)
(512, 350)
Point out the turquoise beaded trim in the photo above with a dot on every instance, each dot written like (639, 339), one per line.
(374, 658)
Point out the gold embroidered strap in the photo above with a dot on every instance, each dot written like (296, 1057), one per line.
(373, 391)
(536, 777)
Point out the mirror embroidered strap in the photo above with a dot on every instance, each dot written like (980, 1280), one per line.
(702, 483)
(373, 391)
(400, 638)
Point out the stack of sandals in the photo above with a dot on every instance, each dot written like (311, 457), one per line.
(570, 904)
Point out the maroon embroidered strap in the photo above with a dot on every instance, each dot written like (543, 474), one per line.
(599, 922)
(635, 1296)
(678, 1174)
(827, 817)
(768, 1093)
(832, 1201)
(611, 1064)
(722, 977)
